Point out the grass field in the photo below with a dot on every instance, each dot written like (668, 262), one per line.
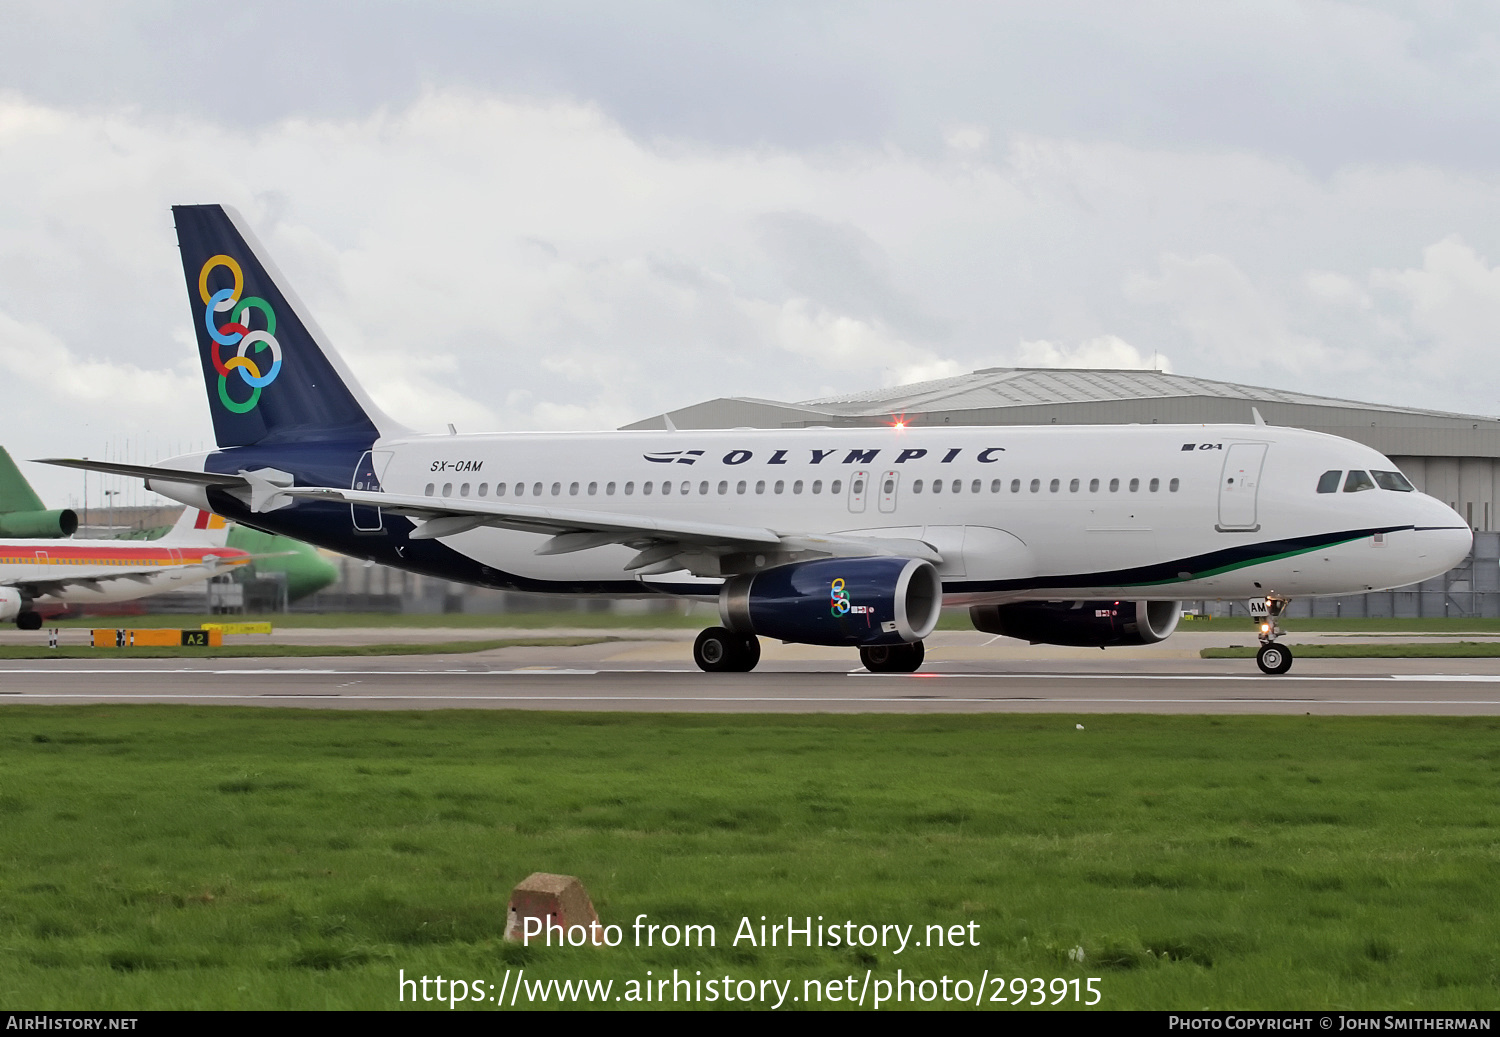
(1439, 650)
(265, 651)
(174, 857)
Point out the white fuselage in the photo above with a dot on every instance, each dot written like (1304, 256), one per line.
(1145, 511)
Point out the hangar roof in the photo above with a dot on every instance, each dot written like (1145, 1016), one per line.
(1036, 396)
(1029, 386)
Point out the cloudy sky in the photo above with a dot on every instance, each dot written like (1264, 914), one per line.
(572, 215)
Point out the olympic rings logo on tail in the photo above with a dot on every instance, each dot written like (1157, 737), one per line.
(236, 331)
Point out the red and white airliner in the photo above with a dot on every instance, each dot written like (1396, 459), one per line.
(40, 575)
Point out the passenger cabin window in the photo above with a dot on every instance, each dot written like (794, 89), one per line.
(429, 489)
(723, 488)
(916, 487)
(703, 489)
(1135, 484)
(1155, 485)
(1357, 481)
(760, 486)
(520, 489)
(976, 487)
(995, 486)
(1073, 486)
(1114, 486)
(646, 488)
(593, 489)
(1393, 481)
(817, 486)
(609, 489)
(1172, 486)
(836, 486)
(629, 488)
(937, 486)
(447, 489)
(780, 486)
(484, 489)
(536, 489)
(573, 490)
(463, 491)
(739, 487)
(1036, 485)
(1053, 485)
(1093, 485)
(958, 485)
(1015, 486)
(666, 488)
(1328, 482)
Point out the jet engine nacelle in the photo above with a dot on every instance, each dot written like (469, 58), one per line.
(60, 523)
(836, 601)
(1082, 624)
(11, 603)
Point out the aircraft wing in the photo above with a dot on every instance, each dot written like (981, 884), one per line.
(665, 545)
(140, 574)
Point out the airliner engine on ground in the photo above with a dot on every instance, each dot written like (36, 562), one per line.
(38, 575)
(1066, 535)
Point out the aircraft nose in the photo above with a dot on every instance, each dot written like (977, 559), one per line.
(1444, 536)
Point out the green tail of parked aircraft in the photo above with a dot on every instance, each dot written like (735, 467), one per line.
(21, 511)
(22, 515)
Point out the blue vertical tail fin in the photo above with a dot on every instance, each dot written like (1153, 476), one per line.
(270, 375)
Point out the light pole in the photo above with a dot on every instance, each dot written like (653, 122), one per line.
(109, 499)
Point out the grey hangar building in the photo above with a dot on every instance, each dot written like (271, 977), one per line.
(1453, 457)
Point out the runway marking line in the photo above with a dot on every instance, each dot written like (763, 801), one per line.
(1473, 678)
(113, 696)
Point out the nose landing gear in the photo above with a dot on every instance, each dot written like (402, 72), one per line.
(1273, 658)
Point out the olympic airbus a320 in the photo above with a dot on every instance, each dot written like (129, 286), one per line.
(1082, 535)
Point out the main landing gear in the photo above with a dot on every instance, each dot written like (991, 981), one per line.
(1273, 658)
(718, 650)
(29, 620)
(893, 658)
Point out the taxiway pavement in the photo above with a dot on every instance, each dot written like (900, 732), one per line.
(962, 674)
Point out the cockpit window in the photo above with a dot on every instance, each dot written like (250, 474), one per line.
(1393, 481)
(1328, 482)
(1357, 481)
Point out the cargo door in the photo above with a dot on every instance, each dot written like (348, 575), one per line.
(1239, 485)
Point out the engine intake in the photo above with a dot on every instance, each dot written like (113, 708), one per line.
(12, 603)
(60, 523)
(836, 601)
(1081, 624)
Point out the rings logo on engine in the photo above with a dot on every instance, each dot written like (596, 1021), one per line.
(236, 331)
(839, 598)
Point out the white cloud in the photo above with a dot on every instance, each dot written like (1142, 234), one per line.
(514, 262)
(1104, 351)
